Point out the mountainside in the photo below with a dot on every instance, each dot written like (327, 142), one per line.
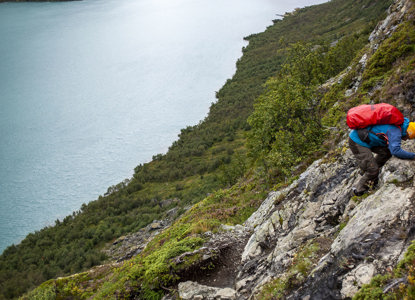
(314, 239)
(216, 237)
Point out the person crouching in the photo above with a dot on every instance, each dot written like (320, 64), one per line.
(385, 141)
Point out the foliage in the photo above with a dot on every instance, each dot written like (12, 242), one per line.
(286, 122)
(44, 292)
(374, 290)
(396, 47)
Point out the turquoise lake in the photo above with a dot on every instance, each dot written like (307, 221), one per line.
(90, 89)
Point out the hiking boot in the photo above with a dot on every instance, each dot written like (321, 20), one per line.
(373, 184)
(356, 193)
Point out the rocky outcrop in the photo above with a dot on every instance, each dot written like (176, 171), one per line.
(125, 247)
(354, 238)
(190, 290)
(384, 29)
(396, 14)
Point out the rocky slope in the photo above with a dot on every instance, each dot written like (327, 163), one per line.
(313, 240)
(318, 240)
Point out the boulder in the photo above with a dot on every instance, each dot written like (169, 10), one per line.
(190, 290)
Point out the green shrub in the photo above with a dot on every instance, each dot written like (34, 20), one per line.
(400, 44)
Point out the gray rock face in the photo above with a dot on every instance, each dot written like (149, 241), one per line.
(380, 210)
(365, 238)
(128, 246)
(191, 291)
(385, 28)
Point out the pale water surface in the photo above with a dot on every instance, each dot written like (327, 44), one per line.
(90, 89)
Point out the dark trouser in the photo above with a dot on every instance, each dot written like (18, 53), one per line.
(369, 164)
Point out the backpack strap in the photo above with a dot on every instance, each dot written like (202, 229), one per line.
(383, 137)
(365, 137)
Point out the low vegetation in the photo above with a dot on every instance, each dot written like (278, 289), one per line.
(396, 284)
(287, 123)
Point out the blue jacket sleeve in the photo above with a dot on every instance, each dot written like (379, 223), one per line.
(395, 136)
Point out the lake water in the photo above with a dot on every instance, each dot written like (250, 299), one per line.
(90, 89)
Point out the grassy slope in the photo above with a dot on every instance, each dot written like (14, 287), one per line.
(203, 160)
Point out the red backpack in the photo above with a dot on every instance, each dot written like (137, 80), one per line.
(374, 114)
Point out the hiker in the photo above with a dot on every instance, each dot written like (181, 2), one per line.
(385, 141)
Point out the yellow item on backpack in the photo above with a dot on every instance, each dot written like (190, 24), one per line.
(411, 130)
